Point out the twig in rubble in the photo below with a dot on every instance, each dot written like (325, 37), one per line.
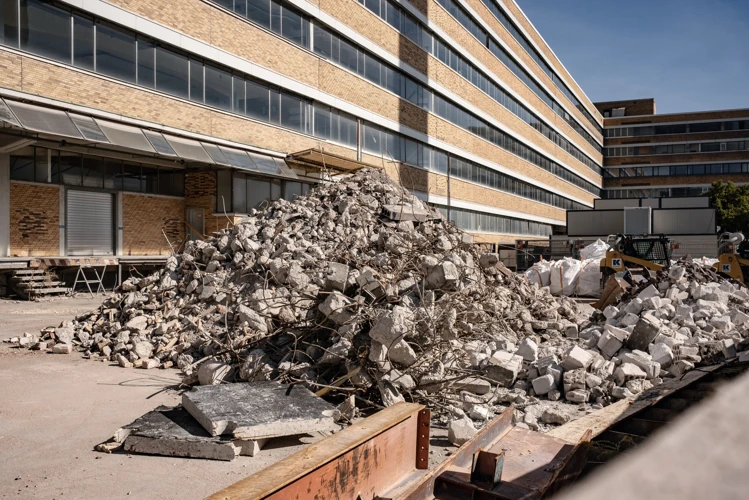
(368, 402)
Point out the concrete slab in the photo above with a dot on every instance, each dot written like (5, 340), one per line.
(256, 410)
(172, 432)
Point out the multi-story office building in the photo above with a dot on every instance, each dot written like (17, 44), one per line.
(127, 123)
(680, 154)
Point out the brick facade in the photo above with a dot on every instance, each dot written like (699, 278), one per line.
(34, 220)
(146, 218)
(148, 221)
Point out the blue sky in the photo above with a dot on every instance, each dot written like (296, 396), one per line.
(690, 55)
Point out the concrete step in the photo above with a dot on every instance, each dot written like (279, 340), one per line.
(49, 291)
(35, 285)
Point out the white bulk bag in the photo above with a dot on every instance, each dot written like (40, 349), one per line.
(539, 273)
(564, 275)
(589, 281)
(596, 250)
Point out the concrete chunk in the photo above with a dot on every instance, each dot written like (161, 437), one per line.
(173, 432)
(645, 332)
(258, 410)
(576, 358)
(460, 431)
(543, 384)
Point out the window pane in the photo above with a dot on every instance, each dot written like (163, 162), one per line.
(131, 177)
(166, 182)
(69, 166)
(146, 55)
(22, 165)
(322, 122)
(275, 189)
(322, 42)
(290, 112)
(238, 93)
(292, 190)
(171, 72)
(112, 173)
(83, 43)
(259, 11)
(150, 176)
(347, 130)
(239, 193)
(91, 173)
(41, 166)
(258, 192)
(257, 100)
(45, 30)
(275, 106)
(223, 191)
(115, 52)
(292, 26)
(275, 17)
(240, 7)
(196, 81)
(217, 88)
(9, 24)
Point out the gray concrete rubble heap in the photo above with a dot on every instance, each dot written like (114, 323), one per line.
(360, 288)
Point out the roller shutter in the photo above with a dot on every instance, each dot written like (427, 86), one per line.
(90, 223)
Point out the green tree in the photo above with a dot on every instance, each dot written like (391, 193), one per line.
(732, 206)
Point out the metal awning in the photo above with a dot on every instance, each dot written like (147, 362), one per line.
(40, 119)
(321, 159)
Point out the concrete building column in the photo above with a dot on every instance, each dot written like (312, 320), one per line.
(63, 219)
(4, 205)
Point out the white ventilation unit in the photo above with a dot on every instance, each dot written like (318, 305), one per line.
(638, 221)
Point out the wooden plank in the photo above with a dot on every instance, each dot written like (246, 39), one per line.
(604, 418)
(372, 451)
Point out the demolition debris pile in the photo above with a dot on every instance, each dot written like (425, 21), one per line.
(359, 289)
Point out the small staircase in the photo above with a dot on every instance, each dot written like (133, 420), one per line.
(32, 283)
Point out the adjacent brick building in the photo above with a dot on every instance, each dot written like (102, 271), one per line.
(131, 125)
(677, 154)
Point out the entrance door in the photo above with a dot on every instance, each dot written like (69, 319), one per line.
(89, 229)
(196, 223)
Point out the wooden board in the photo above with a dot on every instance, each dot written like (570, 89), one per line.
(602, 419)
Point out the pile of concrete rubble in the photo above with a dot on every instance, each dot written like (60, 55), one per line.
(362, 293)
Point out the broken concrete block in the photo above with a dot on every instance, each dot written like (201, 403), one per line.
(651, 368)
(258, 410)
(473, 385)
(621, 392)
(612, 340)
(649, 292)
(543, 384)
(460, 431)
(402, 353)
(645, 332)
(577, 396)
(143, 349)
(555, 416)
(443, 275)
(488, 260)
(337, 308)
(610, 311)
(676, 273)
(571, 331)
(150, 363)
(626, 372)
(528, 350)
(139, 323)
(64, 334)
(336, 276)
(575, 358)
(389, 393)
(629, 319)
(62, 349)
(253, 319)
(378, 355)
(662, 354)
(392, 326)
(213, 372)
(739, 318)
(504, 367)
(173, 432)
